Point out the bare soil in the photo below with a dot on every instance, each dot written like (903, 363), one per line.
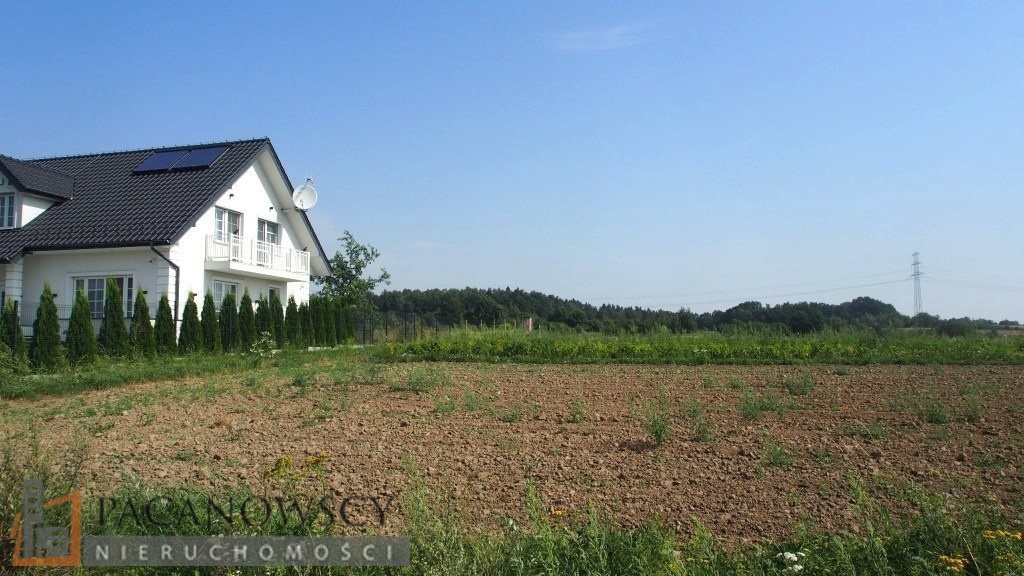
(576, 432)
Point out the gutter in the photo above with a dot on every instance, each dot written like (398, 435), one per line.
(177, 281)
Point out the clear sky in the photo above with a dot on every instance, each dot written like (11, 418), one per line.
(655, 154)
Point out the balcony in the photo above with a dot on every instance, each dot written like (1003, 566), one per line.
(250, 257)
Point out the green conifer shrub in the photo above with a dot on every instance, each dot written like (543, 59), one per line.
(211, 338)
(113, 337)
(246, 323)
(46, 351)
(312, 325)
(13, 337)
(306, 332)
(277, 319)
(81, 339)
(229, 329)
(190, 341)
(293, 324)
(330, 330)
(164, 327)
(141, 330)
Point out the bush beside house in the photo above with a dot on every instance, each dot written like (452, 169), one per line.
(320, 322)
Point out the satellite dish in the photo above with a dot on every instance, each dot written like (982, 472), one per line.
(304, 197)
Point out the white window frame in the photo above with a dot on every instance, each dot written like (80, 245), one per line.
(8, 210)
(262, 229)
(99, 288)
(222, 223)
(223, 282)
(275, 289)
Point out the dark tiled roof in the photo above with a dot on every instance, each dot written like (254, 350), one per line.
(38, 179)
(112, 206)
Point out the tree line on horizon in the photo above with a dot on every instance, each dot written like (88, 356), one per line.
(498, 307)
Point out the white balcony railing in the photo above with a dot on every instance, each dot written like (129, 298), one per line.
(232, 248)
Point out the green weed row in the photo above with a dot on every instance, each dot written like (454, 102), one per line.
(710, 348)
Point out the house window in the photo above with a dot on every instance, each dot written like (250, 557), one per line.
(275, 293)
(221, 289)
(268, 232)
(6, 210)
(226, 223)
(95, 288)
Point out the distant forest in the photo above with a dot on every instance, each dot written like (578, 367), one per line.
(497, 307)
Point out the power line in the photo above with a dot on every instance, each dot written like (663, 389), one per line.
(970, 284)
(973, 275)
(689, 304)
(749, 288)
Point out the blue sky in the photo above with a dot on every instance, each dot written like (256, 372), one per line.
(655, 154)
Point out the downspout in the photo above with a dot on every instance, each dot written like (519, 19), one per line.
(177, 281)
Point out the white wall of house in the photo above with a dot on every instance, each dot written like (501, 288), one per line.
(252, 196)
(27, 205)
(32, 206)
(60, 268)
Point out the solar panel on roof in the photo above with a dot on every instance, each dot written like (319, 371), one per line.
(200, 157)
(161, 160)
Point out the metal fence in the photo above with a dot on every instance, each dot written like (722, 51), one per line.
(376, 326)
(28, 310)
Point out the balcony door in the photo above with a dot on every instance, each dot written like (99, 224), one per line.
(268, 243)
(227, 228)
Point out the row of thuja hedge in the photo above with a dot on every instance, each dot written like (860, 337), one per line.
(235, 327)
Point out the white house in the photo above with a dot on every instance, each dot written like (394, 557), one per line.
(212, 217)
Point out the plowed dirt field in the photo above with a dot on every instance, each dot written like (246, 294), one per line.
(751, 452)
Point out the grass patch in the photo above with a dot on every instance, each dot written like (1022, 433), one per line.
(577, 411)
(658, 427)
(108, 374)
(472, 401)
(933, 411)
(752, 404)
(801, 386)
(701, 430)
(736, 382)
(700, 426)
(444, 406)
(510, 414)
(776, 455)
(422, 379)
